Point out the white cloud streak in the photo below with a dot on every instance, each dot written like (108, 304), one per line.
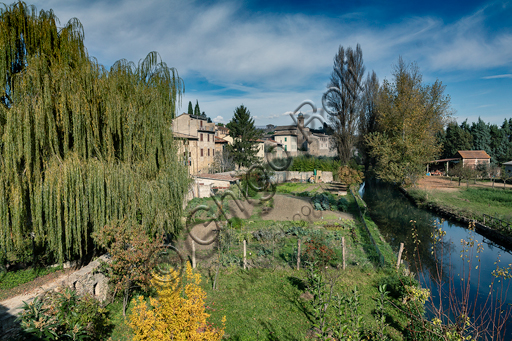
(276, 60)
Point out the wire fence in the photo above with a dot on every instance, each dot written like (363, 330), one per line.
(497, 223)
(285, 245)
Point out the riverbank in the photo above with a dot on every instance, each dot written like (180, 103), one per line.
(466, 206)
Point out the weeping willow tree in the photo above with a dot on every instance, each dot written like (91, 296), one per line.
(81, 146)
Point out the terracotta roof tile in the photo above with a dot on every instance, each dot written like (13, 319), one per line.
(226, 176)
(184, 136)
(473, 154)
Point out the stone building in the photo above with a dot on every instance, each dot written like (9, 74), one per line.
(197, 138)
(293, 138)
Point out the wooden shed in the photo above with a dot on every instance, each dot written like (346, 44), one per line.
(472, 158)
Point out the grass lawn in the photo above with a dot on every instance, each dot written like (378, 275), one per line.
(13, 283)
(470, 202)
(293, 187)
(264, 304)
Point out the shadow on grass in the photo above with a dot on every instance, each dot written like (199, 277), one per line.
(273, 334)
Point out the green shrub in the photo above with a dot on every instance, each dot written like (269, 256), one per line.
(236, 223)
(12, 279)
(65, 316)
(328, 202)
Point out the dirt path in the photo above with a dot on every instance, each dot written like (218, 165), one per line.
(300, 208)
(11, 307)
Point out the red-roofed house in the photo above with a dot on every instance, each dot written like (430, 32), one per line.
(472, 158)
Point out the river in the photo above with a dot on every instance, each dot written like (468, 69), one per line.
(399, 221)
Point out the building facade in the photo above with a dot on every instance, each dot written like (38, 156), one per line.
(200, 141)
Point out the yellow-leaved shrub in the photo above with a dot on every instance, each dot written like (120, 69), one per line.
(178, 313)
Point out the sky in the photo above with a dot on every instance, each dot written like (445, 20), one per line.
(272, 56)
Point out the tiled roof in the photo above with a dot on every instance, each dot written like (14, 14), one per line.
(445, 160)
(285, 133)
(285, 127)
(473, 154)
(508, 163)
(219, 140)
(184, 136)
(226, 176)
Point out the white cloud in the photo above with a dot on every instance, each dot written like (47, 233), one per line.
(218, 119)
(274, 61)
(507, 75)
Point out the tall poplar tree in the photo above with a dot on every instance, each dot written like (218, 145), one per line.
(190, 109)
(346, 103)
(81, 146)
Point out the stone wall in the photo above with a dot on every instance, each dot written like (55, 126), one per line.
(280, 177)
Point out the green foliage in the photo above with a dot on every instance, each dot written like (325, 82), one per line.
(133, 256)
(12, 279)
(456, 139)
(236, 223)
(327, 201)
(197, 111)
(308, 163)
(410, 114)
(65, 316)
(190, 110)
(244, 134)
(81, 145)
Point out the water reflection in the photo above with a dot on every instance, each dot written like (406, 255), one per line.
(399, 221)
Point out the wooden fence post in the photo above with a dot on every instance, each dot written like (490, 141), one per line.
(245, 255)
(399, 256)
(298, 253)
(484, 219)
(343, 246)
(193, 255)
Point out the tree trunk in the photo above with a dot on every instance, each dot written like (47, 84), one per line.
(126, 298)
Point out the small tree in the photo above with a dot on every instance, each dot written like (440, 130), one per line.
(190, 110)
(222, 162)
(133, 256)
(463, 173)
(197, 111)
(177, 314)
(350, 176)
(494, 172)
(244, 134)
(505, 176)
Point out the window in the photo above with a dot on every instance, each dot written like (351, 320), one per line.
(208, 151)
(201, 151)
(189, 154)
(285, 147)
(208, 137)
(201, 137)
(201, 123)
(285, 139)
(213, 152)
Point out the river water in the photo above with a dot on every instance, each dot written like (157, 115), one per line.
(440, 262)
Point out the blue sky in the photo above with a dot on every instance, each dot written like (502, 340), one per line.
(272, 56)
